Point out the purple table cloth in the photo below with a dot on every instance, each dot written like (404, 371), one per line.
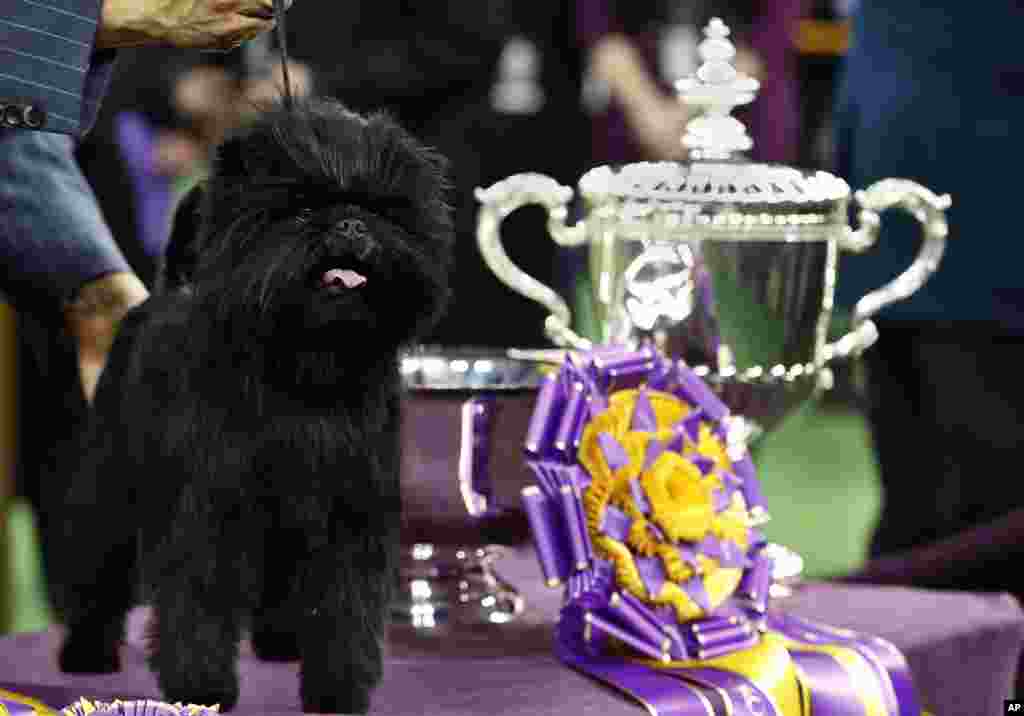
(962, 648)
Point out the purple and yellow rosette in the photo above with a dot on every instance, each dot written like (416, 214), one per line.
(17, 704)
(139, 707)
(645, 512)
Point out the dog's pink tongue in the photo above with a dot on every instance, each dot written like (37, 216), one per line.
(347, 277)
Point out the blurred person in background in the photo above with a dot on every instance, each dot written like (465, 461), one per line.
(637, 50)
(495, 86)
(931, 92)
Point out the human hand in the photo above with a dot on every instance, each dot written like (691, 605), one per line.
(268, 87)
(749, 63)
(658, 127)
(200, 24)
(656, 120)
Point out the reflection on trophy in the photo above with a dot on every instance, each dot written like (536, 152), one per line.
(464, 416)
(727, 265)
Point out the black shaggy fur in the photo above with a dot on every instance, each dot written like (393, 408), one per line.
(243, 457)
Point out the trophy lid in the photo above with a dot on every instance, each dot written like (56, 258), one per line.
(718, 186)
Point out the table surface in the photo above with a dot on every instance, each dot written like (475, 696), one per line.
(962, 648)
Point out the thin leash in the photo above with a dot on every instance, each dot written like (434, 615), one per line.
(282, 43)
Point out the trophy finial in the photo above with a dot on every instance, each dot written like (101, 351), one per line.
(718, 88)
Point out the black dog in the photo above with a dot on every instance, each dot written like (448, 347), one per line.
(244, 455)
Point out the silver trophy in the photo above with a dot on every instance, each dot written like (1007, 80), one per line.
(726, 264)
(465, 412)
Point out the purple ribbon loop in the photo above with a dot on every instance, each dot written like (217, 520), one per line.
(652, 453)
(756, 582)
(721, 499)
(730, 479)
(713, 623)
(691, 425)
(694, 588)
(607, 628)
(628, 362)
(711, 638)
(710, 546)
(661, 376)
(614, 454)
(579, 477)
(579, 542)
(615, 523)
(737, 643)
(688, 554)
(678, 441)
(635, 616)
(566, 436)
(544, 478)
(751, 486)
(543, 422)
(705, 464)
(731, 555)
(549, 537)
(639, 496)
(652, 573)
(644, 419)
(697, 392)
(604, 574)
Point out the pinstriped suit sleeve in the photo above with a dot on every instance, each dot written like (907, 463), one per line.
(47, 60)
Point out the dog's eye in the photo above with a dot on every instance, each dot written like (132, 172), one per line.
(340, 279)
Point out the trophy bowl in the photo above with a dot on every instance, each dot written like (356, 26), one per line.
(728, 265)
(465, 412)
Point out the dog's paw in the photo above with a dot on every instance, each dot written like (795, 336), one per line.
(275, 646)
(224, 695)
(356, 701)
(80, 655)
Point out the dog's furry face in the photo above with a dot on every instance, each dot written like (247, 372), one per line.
(324, 231)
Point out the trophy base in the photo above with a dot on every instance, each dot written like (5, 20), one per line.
(443, 587)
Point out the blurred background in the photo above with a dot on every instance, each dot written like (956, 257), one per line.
(500, 87)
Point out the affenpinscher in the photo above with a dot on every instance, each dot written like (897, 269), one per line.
(243, 460)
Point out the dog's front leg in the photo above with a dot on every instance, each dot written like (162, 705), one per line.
(346, 592)
(200, 605)
(103, 584)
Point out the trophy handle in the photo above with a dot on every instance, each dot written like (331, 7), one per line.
(501, 199)
(930, 210)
